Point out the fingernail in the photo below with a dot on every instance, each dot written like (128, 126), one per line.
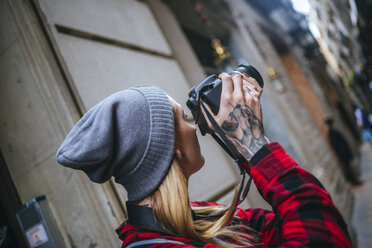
(223, 73)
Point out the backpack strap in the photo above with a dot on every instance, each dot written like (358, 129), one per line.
(149, 242)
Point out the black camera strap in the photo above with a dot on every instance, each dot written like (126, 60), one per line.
(226, 145)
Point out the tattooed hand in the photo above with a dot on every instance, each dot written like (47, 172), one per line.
(240, 115)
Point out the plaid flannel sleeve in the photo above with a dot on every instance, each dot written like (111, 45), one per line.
(303, 213)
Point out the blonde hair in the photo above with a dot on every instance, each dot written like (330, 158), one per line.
(172, 210)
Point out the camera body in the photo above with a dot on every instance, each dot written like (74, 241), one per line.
(209, 90)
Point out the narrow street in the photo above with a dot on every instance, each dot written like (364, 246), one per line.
(362, 219)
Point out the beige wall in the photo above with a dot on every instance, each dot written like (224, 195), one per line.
(98, 68)
(45, 89)
(38, 111)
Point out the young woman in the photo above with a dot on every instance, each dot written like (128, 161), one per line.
(140, 137)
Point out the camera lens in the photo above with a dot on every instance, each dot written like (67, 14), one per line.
(252, 72)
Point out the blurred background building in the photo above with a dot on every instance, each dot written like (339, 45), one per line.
(340, 44)
(60, 58)
(338, 34)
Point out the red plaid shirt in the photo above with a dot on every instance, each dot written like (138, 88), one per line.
(303, 213)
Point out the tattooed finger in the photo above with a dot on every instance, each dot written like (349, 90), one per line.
(238, 87)
(246, 90)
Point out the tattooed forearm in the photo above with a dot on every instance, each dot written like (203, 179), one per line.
(245, 131)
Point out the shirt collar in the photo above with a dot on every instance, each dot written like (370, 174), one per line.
(142, 216)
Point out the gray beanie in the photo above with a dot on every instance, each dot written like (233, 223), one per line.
(129, 135)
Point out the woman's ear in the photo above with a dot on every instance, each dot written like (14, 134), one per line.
(178, 153)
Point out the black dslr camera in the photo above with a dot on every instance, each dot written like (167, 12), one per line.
(210, 92)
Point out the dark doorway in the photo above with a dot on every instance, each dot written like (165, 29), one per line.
(10, 233)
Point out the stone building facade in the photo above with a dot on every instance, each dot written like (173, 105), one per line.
(303, 104)
(59, 58)
(337, 22)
